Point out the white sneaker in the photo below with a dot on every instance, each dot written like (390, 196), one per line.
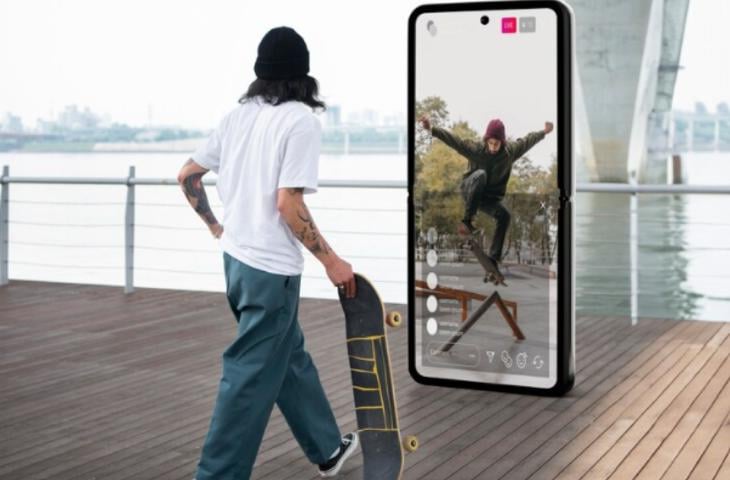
(348, 445)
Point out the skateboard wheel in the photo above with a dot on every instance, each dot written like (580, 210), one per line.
(393, 319)
(410, 443)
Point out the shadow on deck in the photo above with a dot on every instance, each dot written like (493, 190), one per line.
(101, 385)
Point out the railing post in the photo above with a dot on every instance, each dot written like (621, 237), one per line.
(690, 134)
(716, 140)
(634, 252)
(672, 132)
(129, 235)
(4, 226)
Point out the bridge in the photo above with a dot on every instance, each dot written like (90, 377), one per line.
(24, 137)
(627, 62)
(15, 140)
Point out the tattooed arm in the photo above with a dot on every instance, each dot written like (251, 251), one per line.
(291, 206)
(190, 179)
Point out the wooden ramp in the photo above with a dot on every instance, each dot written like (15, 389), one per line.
(101, 385)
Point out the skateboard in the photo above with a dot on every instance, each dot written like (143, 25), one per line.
(372, 382)
(492, 271)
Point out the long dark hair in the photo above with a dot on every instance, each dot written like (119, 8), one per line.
(302, 89)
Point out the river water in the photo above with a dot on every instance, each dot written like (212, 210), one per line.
(74, 233)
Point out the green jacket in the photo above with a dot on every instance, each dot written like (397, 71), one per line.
(498, 166)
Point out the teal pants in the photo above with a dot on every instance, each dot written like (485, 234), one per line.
(265, 364)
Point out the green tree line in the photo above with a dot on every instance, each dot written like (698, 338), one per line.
(438, 202)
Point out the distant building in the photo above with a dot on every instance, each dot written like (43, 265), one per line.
(11, 124)
(333, 116)
(46, 126)
(394, 120)
(363, 118)
(71, 118)
(370, 117)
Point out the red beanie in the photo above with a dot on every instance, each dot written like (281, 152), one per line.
(495, 130)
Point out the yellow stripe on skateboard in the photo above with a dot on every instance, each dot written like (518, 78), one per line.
(352, 339)
(363, 358)
(365, 389)
(362, 371)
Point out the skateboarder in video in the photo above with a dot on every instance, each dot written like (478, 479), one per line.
(266, 153)
(485, 183)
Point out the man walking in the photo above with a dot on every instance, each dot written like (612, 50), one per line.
(266, 153)
(484, 184)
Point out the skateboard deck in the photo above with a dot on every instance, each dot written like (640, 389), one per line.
(372, 383)
(492, 273)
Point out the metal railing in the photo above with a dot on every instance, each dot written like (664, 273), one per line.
(131, 181)
(634, 190)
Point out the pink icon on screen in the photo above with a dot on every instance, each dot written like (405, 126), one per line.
(509, 24)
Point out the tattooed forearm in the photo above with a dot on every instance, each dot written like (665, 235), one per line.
(309, 234)
(297, 216)
(194, 190)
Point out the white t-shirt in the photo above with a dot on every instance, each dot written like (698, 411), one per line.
(257, 149)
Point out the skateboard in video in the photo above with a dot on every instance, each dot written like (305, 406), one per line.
(492, 272)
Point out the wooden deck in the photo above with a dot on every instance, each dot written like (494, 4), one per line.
(101, 385)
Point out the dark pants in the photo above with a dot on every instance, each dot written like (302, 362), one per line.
(265, 364)
(473, 191)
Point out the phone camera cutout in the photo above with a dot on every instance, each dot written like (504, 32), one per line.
(484, 20)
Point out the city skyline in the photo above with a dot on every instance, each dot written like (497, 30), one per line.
(190, 67)
(331, 117)
(191, 71)
(73, 117)
(80, 129)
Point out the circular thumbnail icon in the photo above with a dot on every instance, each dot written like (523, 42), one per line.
(432, 326)
(432, 280)
(432, 235)
(432, 258)
(432, 303)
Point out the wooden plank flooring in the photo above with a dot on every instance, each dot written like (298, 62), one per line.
(101, 385)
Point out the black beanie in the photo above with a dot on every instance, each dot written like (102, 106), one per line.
(282, 55)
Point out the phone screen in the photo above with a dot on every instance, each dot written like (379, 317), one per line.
(485, 196)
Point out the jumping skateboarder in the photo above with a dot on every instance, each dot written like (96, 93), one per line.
(484, 184)
(266, 153)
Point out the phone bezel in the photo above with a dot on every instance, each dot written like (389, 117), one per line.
(565, 368)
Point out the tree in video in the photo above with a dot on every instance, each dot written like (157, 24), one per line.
(508, 209)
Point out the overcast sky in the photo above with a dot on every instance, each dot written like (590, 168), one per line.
(705, 75)
(191, 59)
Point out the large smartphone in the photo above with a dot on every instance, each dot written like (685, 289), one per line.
(491, 184)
